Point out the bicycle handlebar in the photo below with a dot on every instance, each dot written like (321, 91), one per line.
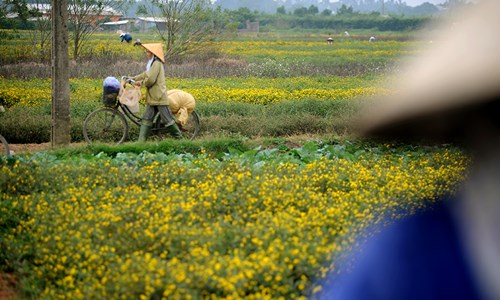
(128, 80)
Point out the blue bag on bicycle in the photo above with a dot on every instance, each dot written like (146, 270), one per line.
(111, 88)
(111, 85)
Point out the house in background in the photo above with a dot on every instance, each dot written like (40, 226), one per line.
(108, 13)
(114, 20)
(250, 27)
(121, 25)
(145, 23)
(44, 11)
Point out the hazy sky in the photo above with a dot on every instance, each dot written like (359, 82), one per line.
(418, 2)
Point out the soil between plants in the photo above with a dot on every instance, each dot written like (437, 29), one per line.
(30, 148)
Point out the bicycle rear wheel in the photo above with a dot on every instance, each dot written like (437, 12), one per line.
(4, 147)
(105, 125)
(192, 127)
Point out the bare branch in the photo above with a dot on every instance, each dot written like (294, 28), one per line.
(184, 25)
(84, 17)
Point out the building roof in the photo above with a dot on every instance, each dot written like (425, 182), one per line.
(153, 19)
(121, 22)
(44, 8)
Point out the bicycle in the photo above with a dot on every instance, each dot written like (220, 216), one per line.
(110, 124)
(4, 146)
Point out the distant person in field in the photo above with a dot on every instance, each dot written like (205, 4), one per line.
(451, 94)
(126, 37)
(156, 96)
(329, 41)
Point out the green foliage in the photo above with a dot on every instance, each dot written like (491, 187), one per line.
(212, 145)
(274, 68)
(326, 12)
(242, 15)
(8, 35)
(300, 12)
(218, 119)
(344, 10)
(362, 22)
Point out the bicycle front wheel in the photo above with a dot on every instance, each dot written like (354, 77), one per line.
(192, 127)
(105, 125)
(4, 147)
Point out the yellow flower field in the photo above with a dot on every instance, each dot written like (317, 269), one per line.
(152, 225)
(260, 224)
(315, 48)
(38, 92)
(348, 49)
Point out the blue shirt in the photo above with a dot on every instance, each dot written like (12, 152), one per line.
(420, 257)
(127, 37)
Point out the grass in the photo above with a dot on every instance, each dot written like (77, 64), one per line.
(217, 119)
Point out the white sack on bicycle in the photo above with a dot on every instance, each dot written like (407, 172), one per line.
(130, 97)
(181, 105)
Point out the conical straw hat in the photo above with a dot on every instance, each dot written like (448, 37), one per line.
(156, 49)
(441, 89)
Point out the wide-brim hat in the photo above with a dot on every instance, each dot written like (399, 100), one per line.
(156, 49)
(439, 94)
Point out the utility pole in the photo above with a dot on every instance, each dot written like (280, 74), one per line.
(61, 121)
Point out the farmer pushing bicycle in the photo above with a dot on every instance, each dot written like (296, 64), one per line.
(156, 96)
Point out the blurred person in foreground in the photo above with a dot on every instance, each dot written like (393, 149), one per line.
(156, 96)
(451, 251)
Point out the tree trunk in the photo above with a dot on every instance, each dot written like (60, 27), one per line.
(61, 121)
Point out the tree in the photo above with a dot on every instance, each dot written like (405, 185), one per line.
(344, 10)
(61, 121)
(242, 15)
(425, 8)
(281, 10)
(326, 12)
(267, 6)
(17, 7)
(300, 12)
(84, 18)
(41, 34)
(4, 10)
(188, 24)
(313, 10)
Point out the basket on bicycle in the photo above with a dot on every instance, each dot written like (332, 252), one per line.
(111, 88)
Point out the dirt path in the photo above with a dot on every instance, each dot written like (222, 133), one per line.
(7, 287)
(23, 148)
